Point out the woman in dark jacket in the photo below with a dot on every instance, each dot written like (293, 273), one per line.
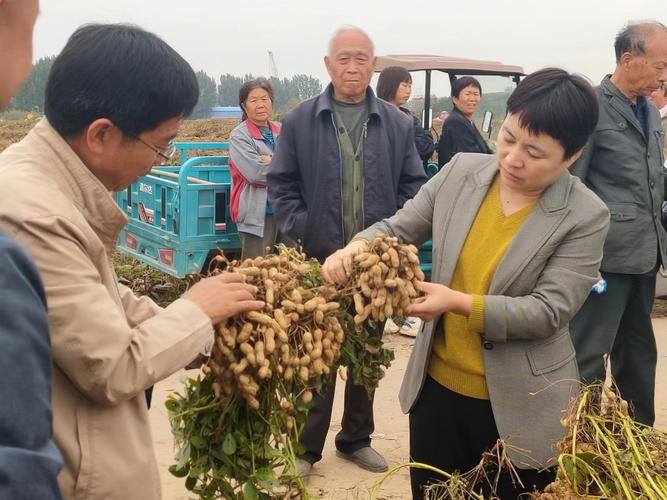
(395, 87)
(459, 134)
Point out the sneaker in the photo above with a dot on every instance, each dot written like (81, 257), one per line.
(411, 327)
(366, 458)
(303, 467)
(390, 326)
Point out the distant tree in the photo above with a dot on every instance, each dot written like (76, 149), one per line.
(291, 104)
(287, 91)
(31, 96)
(228, 89)
(441, 104)
(281, 91)
(306, 86)
(208, 96)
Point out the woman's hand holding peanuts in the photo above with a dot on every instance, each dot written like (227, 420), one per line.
(438, 299)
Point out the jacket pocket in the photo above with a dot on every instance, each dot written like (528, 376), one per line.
(620, 212)
(610, 126)
(551, 354)
(83, 430)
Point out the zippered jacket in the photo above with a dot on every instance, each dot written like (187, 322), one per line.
(623, 165)
(107, 345)
(248, 196)
(305, 178)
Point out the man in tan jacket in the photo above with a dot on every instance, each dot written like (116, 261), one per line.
(114, 101)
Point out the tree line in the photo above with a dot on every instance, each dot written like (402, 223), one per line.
(223, 92)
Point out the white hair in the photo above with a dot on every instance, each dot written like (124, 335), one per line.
(347, 28)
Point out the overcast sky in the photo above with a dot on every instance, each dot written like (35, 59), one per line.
(233, 36)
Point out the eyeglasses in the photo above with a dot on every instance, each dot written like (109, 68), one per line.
(165, 153)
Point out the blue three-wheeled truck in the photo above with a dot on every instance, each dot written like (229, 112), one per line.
(179, 215)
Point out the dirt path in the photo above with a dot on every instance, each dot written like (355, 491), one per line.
(336, 479)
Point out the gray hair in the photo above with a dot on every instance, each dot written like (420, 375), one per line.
(346, 29)
(633, 37)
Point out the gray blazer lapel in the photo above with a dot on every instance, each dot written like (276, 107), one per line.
(536, 230)
(460, 220)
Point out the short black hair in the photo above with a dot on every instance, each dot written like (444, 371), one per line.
(390, 79)
(557, 103)
(465, 81)
(120, 72)
(249, 86)
(633, 36)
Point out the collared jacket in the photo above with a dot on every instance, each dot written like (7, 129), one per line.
(107, 344)
(305, 179)
(542, 280)
(459, 135)
(623, 165)
(29, 459)
(248, 197)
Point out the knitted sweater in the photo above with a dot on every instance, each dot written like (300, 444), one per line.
(456, 360)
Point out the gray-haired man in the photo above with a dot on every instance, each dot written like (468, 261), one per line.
(623, 165)
(344, 161)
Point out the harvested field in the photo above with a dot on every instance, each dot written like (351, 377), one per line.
(12, 131)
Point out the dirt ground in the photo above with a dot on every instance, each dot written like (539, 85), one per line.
(336, 479)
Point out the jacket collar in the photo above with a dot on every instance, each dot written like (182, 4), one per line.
(325, 101)
(620, 102)
(87, 193)
(460, 113)
(255, 133)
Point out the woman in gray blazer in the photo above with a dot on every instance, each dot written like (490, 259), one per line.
(517, 242)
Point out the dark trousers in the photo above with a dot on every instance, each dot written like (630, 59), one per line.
(618, 322)
(253, 246)
(357, 423)
(451, 432)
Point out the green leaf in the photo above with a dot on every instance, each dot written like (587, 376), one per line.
(190, 483)
(171, 404)
(574, 475)
(229, 445)
(373, 349)
(183, 456)
(249, 491)
(175, 471)
(198, 442)
(588, 457)
(264, 474)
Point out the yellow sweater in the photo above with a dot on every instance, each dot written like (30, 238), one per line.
(456, 360)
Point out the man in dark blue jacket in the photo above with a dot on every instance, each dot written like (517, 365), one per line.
(29, 460)
(344, 160)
